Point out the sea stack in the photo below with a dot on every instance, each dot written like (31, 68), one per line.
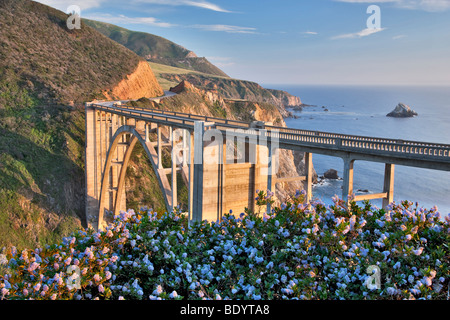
(402, 111)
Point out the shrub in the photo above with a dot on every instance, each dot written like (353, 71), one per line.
(296, 251)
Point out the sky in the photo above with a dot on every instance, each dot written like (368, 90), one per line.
(305, 42)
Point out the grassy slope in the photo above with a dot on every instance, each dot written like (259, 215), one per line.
(155, 48)
(160, 70)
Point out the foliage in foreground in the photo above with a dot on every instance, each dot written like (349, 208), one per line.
(295, 252)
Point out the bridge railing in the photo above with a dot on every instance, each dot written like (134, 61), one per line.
(191, 116)
(378, 145)
(356, 137)
(291, 130)
(137, 114)
(343, 142)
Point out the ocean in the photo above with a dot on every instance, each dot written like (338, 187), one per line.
(361, 110)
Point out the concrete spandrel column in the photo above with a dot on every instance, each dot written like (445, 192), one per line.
(191, 178)
(185, 147)
(159, 146)
(147, 136)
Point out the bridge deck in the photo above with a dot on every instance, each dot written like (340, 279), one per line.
(404, 152)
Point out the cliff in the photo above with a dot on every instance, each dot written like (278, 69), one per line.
(140, 83)
(286, 99)
(234, 89)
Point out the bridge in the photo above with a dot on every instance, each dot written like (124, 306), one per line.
(223, 162)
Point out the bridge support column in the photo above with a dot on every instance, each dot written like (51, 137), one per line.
(185, 153)
(271, 175)
(159, 146)
(199, 130)
(388, 184)
(147, 135)
(222, 184)
(174, 168)
(92, 192)
(347, 190)
(309, 176)
(191, 179)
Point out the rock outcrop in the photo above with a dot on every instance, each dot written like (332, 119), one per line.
(286, 99)
(331, 174)
(141, 83)
(402, 111)
(242, 90)
(182, 87)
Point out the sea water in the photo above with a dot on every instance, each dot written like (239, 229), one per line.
(361, 110)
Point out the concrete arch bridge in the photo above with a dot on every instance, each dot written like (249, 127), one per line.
(223, 162)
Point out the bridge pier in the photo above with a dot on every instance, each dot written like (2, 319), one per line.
(91, 177)
(199, 131)
(388, 184)
(174, 170)
(309, 176)
(347, 187)
(388, 187)
(271, 174)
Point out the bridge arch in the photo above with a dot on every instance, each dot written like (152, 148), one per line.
(126, 136)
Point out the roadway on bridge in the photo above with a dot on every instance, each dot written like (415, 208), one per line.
(167, 94)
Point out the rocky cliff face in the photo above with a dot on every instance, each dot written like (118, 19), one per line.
(233, 89)
(286, 99)
(140, 83)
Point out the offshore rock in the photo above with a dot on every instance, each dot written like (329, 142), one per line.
(402, 111)
(331, 174)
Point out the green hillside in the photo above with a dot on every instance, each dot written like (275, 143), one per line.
(156, 49)
(46, 73)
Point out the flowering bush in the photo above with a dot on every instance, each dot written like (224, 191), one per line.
(296, 251)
